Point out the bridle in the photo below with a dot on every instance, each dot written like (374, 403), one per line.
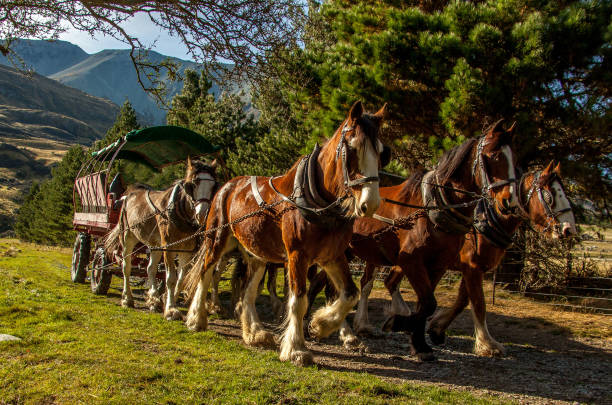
(546, 199)
(334, 208)
(196, 182)
(341, 151)
(487, 186)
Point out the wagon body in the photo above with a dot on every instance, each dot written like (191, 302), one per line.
(97, 198)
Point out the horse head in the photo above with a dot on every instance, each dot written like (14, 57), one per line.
(362, 155)
(547, 206)
(200, 184)
(495, 163)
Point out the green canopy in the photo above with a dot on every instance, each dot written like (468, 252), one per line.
(157, 146)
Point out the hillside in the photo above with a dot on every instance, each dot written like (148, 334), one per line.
(46, 57)
(110, 74)
(61, 112)
(39, 120)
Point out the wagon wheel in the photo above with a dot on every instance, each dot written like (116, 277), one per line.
(80, 258)
(101, 275)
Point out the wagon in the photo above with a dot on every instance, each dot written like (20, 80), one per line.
(97, 198)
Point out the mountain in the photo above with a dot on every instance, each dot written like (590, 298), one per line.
(35, 106)
(46, 57)
(110, 74)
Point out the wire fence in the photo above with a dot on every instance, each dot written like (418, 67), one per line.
(578, 298)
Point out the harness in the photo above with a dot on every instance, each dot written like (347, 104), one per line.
(486, 223)
(487, 186)
(546, 199)
(305, 195)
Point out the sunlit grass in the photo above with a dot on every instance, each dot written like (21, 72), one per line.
(78, 347)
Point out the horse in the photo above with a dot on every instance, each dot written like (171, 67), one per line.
(542, 202)
(424, 242)
(322, 194)
(159, 218)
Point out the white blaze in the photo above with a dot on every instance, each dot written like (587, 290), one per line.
(566, 219)
(368, 167)
(511, 175)
(205, 183)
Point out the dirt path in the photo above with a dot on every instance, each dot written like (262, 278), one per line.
(553, 356)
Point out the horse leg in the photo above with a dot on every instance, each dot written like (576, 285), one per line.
(392, 282)
(485, 344)
(214, 305)
(127, 300)
(328, 319)
(277, 304)
(153, 300)
(293, 345)
(253, 332)
(238, 280)
(184, 260)
(360, 323)
(444, 317)
(318, 281)
(171, 313)
(426, 306)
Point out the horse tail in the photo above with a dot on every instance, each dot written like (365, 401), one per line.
(112, 240)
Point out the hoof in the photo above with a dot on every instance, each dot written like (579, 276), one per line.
(196, 325)
(127, 303)
(173, 314)
(437, 338)
(352, 343)
(214, 308)
(301, 358)
(261, 338)
(493, 349)
(319, 329)
(426, 357)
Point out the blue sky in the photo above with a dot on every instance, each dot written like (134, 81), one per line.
(139, 26)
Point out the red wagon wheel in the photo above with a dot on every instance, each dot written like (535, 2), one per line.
(80, 258)
(101, 274)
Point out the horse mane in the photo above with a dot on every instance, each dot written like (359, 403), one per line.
(412, 186)
(137, 186)
(453, 159)
(200, 166)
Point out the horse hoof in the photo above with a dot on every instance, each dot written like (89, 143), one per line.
(489, 350)
(426, 357)
(126, 303)
(437, 338)
(351, 343)
(196, 325)
(173, 314)
(262, 338)
(301, 358)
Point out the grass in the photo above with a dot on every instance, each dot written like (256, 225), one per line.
(80, 348)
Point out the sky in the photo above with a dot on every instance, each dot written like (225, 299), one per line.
(139, 26)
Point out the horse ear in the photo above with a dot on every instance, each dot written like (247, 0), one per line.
(547, 171)
(188, 162)
(382, 113)
(494, 133)
(557, 169)
(356, 111)
(214, 164)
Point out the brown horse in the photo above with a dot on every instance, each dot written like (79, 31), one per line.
(545, 205)
(329, 188)
(425, 243)
(157, 218)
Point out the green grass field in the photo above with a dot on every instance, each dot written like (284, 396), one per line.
(80, 348)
